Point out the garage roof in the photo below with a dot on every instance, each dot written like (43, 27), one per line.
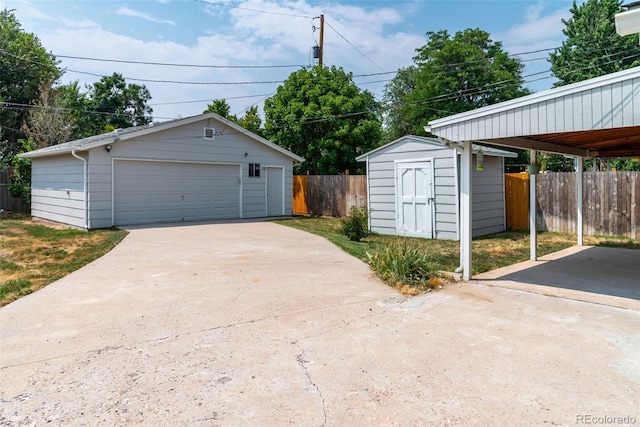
(599, 117)
(133, 132)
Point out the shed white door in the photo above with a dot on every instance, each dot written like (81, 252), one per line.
(148, 192)
(415, 199)
(275, 191)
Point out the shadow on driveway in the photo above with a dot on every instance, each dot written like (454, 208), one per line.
(587, 273)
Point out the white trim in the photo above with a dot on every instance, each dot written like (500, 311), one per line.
(579, 200)
(533, 232)
(456, 171)
(85, 178)
(368, 196)
(504, 197)
(133, 159)
(266, 187)
(467, 208)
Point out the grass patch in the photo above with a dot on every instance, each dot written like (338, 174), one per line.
(418, 261)
(34, 255)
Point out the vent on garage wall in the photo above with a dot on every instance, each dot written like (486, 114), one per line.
(210, 133)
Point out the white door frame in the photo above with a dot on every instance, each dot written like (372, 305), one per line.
(397, 164)
(266, 187)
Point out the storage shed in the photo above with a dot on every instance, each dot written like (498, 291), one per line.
(198, 168)
(413, 189)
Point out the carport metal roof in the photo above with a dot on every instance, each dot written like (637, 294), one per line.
(599, 117)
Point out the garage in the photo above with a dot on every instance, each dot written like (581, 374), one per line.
(150, 192)
(197, 168)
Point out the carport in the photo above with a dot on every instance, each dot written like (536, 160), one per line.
(599, 117)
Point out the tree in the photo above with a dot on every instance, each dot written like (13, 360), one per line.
(319, 113)
(593, 48)
(48, 123)
(251, 121)
(120, 105)
(221, 107)
(25, 66)
(450, 75)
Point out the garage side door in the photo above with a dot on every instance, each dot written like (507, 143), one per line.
(150, 192)
(415, 199)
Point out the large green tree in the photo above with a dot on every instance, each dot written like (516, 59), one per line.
(450, 75)
(251, 120)
(25, 66)
(118, 104)
(320, 114)
(593, 48)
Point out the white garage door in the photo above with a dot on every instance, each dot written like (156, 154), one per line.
(149, 192)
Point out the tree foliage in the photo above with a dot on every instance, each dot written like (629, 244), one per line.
(120, 105)
(593, 48)
(319, 113)
(49, 123)
(25, 66)
(251, 120)
(450, 75)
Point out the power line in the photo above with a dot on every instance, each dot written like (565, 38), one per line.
(169, 64)
(351, 44)
(211, 3)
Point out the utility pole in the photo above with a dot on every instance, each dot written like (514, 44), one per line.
(321, 40)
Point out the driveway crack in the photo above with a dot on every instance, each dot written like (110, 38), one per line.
(304, 365)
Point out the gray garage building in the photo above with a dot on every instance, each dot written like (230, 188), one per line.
(197, 168)
(413, 189)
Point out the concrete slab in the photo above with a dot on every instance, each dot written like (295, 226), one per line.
(596, 274)
(255, 324)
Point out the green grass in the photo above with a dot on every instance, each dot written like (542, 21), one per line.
(34, 255)
(489, 252)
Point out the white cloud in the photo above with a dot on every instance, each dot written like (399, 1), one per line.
(137, 14)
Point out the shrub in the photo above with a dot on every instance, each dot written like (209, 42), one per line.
(356, 226)
(402, 263)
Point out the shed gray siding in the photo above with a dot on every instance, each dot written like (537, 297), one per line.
(382, 185)
(186, 144)
(488, 188)
(488, 198)
(57, 189)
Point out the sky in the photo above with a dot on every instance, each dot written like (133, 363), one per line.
(243, 50)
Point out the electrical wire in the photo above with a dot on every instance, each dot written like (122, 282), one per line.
(170, 64)
(211, 3)
(351, 44)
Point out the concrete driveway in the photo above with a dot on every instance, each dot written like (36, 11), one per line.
(256, 324)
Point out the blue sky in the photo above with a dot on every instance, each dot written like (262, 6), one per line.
(363, 37)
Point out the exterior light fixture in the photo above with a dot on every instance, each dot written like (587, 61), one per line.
(480, 160)
(108, 147)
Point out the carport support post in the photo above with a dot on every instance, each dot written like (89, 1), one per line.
(532, 209)
(579, 196)
(465, 211)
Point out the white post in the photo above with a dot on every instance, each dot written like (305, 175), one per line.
(579, 196)
(465, 199)
(532, 210)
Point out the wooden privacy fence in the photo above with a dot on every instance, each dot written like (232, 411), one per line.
(611, 203)
(516, 199)
(328, 195)
(8, 203)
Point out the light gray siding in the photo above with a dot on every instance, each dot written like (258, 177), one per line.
(186, 144)
(488, 188)
(57, 189)
(382, 185)
(488, 198)
(602, 103)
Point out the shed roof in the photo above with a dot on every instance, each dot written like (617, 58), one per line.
(133, 132)
(598, 117)
(488, 151)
